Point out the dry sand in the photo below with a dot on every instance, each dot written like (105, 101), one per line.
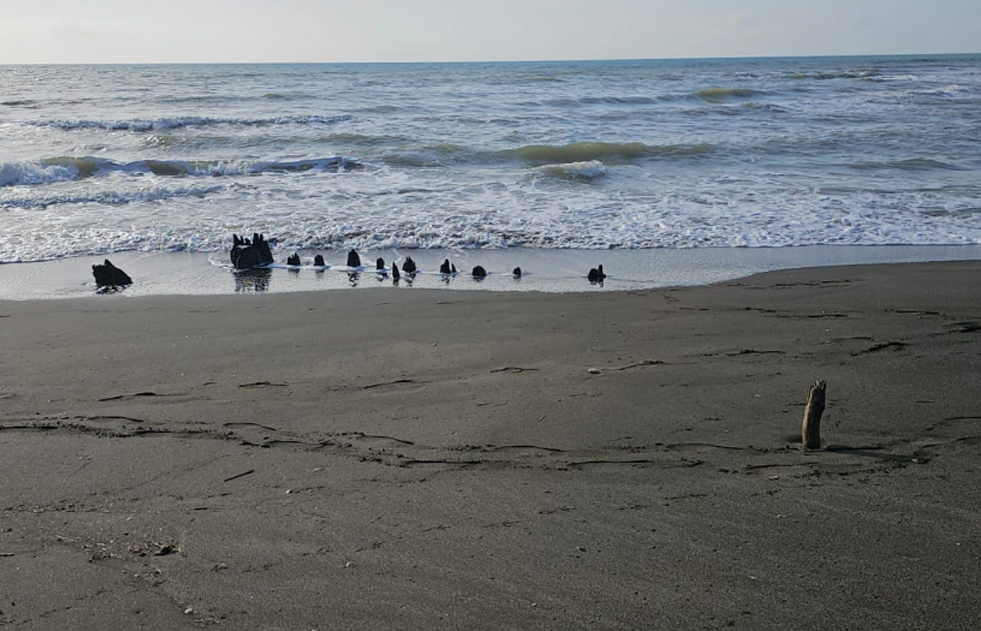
(473, 460)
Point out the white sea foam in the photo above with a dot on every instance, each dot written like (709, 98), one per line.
(208, 215)
(51, 170)
(951, 89)
(17, 173)
(107, 198)
(589, 170)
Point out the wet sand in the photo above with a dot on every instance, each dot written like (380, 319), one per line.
(545, 270)
(425, 459)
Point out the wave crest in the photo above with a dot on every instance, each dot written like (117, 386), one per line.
(65, 168)
(910, 164)
(16, 173)
(163, 124)
(576, 171)
(724, 95)
(601, 151)
(109, 198)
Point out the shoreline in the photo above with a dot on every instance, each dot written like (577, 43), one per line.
(405, 460)
(548, 271)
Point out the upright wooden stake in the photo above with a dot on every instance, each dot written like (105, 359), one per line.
(810, 431)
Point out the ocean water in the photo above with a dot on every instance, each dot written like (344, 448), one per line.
(634, 155)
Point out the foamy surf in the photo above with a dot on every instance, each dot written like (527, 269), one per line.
(598, 156)
(21, 173)
(584, 171)
(60, 169)
(108, 198)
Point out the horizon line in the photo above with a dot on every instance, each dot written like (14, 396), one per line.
(487, 61)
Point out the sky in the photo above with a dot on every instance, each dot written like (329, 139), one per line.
(175, 31)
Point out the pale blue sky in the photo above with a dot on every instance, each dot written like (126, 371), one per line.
(116, 31)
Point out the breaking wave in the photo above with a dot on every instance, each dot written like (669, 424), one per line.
(109, 198)
(576, 171)
(827, 75)
(62, 169)
(578, 153)
(13, 174)
(161, 124)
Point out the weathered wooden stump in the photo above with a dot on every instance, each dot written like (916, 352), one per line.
(810, 431)
(108, 276)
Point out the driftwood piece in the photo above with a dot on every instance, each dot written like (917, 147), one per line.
(240, 475)
(810, 431)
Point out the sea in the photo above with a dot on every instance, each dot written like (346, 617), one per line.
(662, 168)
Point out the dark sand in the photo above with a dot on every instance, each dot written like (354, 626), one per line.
(474, 460)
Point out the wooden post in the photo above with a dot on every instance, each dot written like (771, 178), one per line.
(810, 431)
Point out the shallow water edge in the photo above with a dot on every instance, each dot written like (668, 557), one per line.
(549, 271)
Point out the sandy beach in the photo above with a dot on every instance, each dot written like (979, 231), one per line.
(424, 459)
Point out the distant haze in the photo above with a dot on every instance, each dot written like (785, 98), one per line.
(113, 31)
